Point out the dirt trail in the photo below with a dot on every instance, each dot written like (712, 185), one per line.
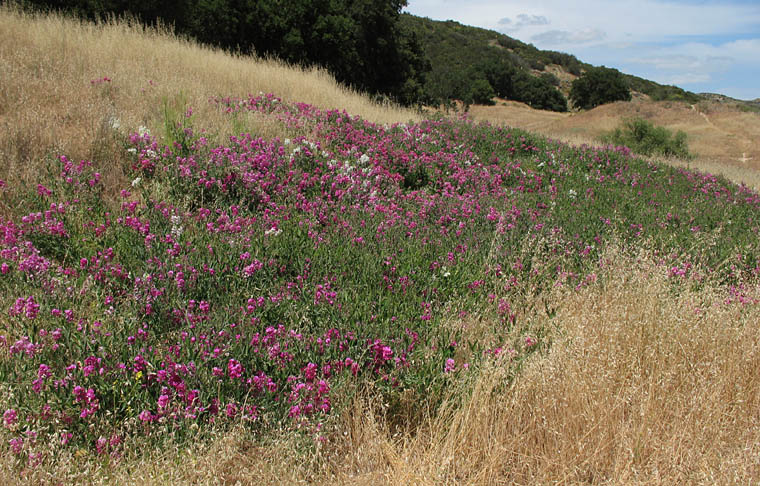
(704, 115)
(744, 141)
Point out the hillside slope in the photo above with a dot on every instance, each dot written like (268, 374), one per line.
(460, 54)
(202, 284)
(724, 136)
(64, 83)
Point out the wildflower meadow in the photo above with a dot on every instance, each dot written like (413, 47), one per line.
(267, 281)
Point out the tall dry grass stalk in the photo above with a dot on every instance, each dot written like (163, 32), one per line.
(640, 387)
(230, 458)
(48, 105)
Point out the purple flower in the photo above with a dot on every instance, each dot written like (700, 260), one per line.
(66, 437)
(310, 372)
(163, 401)
(10, 417)
(101, 445)
(449, 366)
(232, 410)
(17, 445)
(234, 368)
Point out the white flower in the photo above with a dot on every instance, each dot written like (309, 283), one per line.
(572, 193)
(177, 228)
(286, 141)
(114, 122)
(364, 159)
(273, 231)
(132, 150)
(143, 130)
(136, 182)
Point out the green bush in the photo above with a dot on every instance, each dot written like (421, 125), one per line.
(481, 92)
(599, 86)
(550, 78)
(645, 138)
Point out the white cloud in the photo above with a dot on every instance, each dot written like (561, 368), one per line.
(685, 79)
(522, 20)
(747, 48)
(693, 63)
(563, 37)
(682, 62)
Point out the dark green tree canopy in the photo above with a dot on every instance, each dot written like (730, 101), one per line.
(466, 62)
(481, 92)
(598, 86)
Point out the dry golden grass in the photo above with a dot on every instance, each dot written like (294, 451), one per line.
(638, 388)
(724, 139)
(48, 105)
(230, 459)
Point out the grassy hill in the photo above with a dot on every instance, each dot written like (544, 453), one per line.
(722, 134)
(218, 269)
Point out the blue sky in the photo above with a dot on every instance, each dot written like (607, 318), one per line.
(699, 45)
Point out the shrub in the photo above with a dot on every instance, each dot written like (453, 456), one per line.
(550, 78)
(481, 92)
(644, 137)
(599, 86)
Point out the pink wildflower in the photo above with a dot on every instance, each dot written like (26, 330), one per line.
(10, 417)
(17, 445)
(163, 401)
(449, 366)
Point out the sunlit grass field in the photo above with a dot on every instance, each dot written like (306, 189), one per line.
(223, 270)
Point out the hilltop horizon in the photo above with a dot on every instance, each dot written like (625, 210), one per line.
(702, 48)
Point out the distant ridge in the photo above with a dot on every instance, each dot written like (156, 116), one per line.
(753, 105)
(460, 55)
